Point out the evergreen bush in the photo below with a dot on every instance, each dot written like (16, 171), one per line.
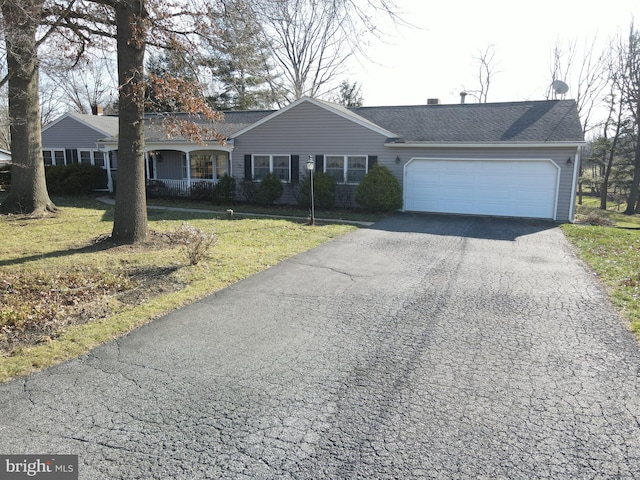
(379, 190)
(324, 189)
(224, 192)
(74, 179)
(269, 189)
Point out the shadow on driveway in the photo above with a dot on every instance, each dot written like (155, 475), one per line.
(490, 228)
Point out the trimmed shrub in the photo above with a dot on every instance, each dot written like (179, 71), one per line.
(379, 190)
(248, 189)
(156, 189)
(75, 179)
(225, 190)
(269, 189)
(201, 190)
(324, 189)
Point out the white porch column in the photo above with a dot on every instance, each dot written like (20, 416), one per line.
(107, 165)
(189, 171)
(155, 166)
(146, 163)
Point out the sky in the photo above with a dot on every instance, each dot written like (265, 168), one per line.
(435, 59)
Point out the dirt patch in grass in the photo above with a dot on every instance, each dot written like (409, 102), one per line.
(36, 306)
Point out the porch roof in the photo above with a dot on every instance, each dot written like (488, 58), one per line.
(232, 122)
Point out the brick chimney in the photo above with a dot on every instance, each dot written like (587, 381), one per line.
(97, 110)
(433, 101)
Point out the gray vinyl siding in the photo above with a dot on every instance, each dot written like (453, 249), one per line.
(307, 130)
(68, 133)
(171, 165)
(558, 155)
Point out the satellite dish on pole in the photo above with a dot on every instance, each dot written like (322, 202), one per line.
(559, 87)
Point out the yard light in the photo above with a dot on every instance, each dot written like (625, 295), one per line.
(310, 167)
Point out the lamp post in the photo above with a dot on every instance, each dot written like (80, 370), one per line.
(310, 167)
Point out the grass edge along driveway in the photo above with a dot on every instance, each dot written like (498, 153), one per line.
(65, 243)
(612, 252)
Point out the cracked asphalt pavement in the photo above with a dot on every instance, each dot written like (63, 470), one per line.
(423, 347)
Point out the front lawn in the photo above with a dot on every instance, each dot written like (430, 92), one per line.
(64, 288)
(614, 254)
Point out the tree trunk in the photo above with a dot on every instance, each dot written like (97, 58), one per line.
(28, 193)
(635, 185)
(130, 220)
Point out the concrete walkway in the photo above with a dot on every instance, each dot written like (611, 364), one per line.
(423, 347)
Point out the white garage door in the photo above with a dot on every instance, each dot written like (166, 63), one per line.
(482, 187)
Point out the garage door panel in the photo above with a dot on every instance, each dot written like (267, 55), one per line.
(482, 187)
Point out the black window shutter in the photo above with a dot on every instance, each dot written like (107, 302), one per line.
(319, 163)
(295, 168)
(247, 168)
(371, 161)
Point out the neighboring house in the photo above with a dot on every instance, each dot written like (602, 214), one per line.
(515, 159)
(5, 157)
(73, 138)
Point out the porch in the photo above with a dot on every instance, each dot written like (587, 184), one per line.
(163, 187)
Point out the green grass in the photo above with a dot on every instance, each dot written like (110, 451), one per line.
(591, 205)
(66, 242)
(278, 210)
(613, 252)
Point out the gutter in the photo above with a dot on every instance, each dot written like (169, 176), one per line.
(485, 145)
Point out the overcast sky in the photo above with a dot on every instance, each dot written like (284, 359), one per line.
(436, 59)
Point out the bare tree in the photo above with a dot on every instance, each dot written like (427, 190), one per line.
(28, 192)
(311, 39)
(615, 122)
(75, 25)
(84, 84)
(585, 70)
(486, 72)
(630, 87)
(486, 65)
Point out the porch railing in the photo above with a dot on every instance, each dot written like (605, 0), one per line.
(180, 188)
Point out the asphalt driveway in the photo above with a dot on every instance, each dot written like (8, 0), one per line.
(422, 347)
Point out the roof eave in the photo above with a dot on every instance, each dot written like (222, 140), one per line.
(364, 123)
(573, 144)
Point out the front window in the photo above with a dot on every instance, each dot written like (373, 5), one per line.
(334, 166)
(280, 165)
(222, 160)
(346, 168)
(53, 157)
(85, 157)
(201, 166)
(98, 159)
(356, 169)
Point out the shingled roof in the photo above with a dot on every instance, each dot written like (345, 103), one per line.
(513, 122)
(545, 121)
